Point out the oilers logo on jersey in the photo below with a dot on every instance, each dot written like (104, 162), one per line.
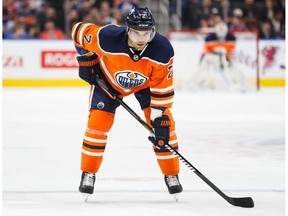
(129, 79)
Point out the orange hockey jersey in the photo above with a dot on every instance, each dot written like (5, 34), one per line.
(129, 71)
(212, 43)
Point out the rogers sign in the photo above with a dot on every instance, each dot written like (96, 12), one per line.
(59, 59)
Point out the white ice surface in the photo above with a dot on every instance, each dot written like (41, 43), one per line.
(236, 140)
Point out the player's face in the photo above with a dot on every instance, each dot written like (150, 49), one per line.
(138, 39)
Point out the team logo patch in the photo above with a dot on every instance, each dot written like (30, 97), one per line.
(129, 79)
(135, 57)
(100, 105)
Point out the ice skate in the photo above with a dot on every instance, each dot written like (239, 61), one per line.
(173, 185)
(87, 184)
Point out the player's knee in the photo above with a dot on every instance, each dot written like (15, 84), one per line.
(100, 120)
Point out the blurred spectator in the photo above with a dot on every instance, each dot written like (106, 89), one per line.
(250, 9)
(209, 13)
(73, 4)
(27, 18)
(125, 6)
(41, 16)
(73, 17)
(58, 5)
(206, 9)
(118, 16)
(191, 15)
(18, 17)
(18, 32)
(50, 14)
(251, 15)
(272, 13)
(34, 32)
(85, 7)
(269, 10)
(199, 15)
(94, 16)
(282, 33)
(51, 31)
(236, 21)
(97, 3)
(252, 24)
(266, 31)
(278, 23)
(106, 14)
(212, 20)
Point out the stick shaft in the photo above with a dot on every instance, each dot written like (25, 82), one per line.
(243, 202)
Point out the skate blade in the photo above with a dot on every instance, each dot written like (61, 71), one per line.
(86, 196)
(176, 196)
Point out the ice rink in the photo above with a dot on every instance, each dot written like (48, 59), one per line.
(236, 140)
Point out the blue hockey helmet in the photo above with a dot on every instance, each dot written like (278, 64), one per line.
(140, 19)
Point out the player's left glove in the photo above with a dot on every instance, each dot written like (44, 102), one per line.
(87, 68)
(161, 126)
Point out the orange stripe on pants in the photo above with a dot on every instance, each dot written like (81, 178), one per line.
(168, 164)
(99, 124)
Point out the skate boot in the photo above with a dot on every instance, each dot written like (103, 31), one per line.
(87, 184)
(173, 185)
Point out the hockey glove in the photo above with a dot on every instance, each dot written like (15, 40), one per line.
(87, 68)
(161, 126)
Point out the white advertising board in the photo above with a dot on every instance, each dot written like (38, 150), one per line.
(56, 60)
(39, 59)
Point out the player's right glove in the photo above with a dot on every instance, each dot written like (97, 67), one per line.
(161, 126)
(87, 67)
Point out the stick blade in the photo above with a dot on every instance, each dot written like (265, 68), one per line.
(245, 202)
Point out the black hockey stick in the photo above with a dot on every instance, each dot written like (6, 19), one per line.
(246, 202)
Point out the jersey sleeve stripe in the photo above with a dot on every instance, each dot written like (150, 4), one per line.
(162, 102)
(75, 32)
(82, 31)
(162, 95)
(162, 89)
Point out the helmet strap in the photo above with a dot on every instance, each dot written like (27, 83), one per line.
(136, 56)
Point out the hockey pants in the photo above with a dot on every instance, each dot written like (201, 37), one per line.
(95, 139)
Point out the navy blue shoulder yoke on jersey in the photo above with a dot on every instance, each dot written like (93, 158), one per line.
(112, 39)
(159, 49)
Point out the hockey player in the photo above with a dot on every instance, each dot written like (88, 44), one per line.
(219, 48)
(131, 59)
